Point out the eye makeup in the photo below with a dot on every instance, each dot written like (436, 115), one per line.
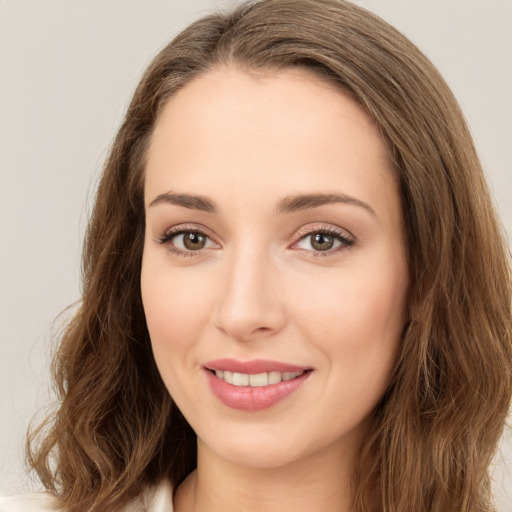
(190, 241)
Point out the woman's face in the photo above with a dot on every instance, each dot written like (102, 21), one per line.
(274, 254)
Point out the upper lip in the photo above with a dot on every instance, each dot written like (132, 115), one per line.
(253, 367)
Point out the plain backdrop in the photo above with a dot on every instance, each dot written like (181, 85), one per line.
(67, 70)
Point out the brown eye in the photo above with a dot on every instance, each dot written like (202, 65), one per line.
(186, 242)
(194, 241)
(328, 241)
(322, 241)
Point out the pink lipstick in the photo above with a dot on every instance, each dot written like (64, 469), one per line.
(253, 385)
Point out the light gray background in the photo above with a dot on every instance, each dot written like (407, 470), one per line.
(67, 70)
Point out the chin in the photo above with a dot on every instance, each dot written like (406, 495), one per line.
(253, 454)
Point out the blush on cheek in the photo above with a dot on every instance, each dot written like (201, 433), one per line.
(167, 305)
(360, 322)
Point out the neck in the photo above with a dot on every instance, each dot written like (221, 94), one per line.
(316, 483)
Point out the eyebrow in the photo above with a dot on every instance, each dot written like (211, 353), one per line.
(287, 205)
(307, 201)
(186, 201)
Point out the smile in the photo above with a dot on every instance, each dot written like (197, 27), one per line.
(256, 380)
(253, 385)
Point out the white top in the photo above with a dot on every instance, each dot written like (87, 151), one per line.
(155, 499)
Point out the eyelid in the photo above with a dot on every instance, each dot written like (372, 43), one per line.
(347, 238)
(322, 228)
(179, 229)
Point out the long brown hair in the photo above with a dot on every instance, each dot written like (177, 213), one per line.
(433, 434)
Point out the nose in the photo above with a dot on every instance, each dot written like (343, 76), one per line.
(249, 305)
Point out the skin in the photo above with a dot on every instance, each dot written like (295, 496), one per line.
(259, 289)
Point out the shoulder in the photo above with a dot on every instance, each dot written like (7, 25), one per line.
(33, 502)
(154, 499)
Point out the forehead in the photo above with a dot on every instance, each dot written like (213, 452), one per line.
(224, 96)
(289, 131)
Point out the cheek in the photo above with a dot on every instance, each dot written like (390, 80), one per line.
(176, 309)
(357, 320)
(357, 327)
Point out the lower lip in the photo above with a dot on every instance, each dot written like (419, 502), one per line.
(247, 398)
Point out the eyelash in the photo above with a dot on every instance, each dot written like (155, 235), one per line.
(167, 237)
(346, 242)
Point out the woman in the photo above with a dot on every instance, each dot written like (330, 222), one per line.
(296, 292)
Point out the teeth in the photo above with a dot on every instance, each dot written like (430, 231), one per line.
(274, 377)
(290, 375)
(240, 379)
(256, 380)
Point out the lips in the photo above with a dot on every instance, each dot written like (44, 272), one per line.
(252, 367)
(255, 380)
(253, 385)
